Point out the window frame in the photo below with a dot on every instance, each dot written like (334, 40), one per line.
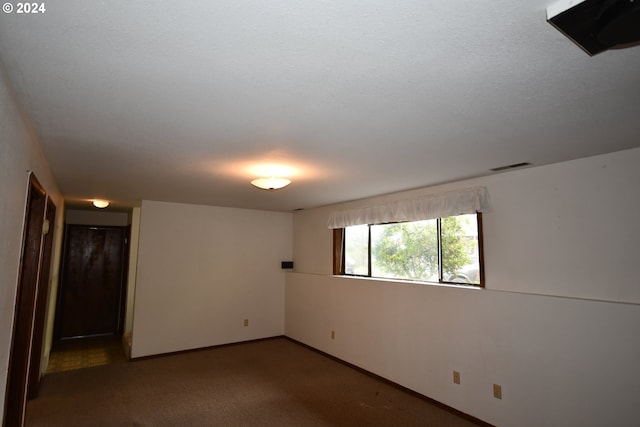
(339, 256)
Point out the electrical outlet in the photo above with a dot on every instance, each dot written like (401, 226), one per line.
(497, 391)
(333, 335)
(246, 322)
(456, 377)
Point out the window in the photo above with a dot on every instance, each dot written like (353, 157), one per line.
(443, 250)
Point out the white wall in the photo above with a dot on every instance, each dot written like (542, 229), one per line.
(19, 152)
(202, 270)
(557, 325)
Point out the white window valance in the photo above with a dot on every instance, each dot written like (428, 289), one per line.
(457, 202)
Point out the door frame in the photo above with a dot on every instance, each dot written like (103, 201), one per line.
(22, 359)
(44, 290)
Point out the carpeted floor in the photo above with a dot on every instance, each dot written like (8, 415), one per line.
(274, 382)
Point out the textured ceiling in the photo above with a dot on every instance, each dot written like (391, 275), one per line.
(180, 101)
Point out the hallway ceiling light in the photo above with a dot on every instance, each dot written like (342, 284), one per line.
(100, 204)
(271, 183)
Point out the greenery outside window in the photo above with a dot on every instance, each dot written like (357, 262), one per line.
(441, 250)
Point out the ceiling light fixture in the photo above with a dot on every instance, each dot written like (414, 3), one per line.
(100, 204)
(271, 183)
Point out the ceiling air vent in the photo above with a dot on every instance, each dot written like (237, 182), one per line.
(513, 166)
(597, 25)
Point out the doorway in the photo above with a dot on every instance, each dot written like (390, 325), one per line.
(30, 306)
(91, 296)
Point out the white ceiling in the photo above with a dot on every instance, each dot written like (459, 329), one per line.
(176, 101)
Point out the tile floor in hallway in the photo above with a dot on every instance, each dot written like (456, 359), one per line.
(81, 353)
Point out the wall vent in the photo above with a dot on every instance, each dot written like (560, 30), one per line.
(597, 25)
(513, 166)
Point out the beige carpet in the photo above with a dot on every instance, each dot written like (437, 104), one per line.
(274, 382)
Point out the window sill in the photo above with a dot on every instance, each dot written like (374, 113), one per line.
(410, 282)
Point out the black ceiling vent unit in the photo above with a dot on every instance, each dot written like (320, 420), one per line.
(597, 25)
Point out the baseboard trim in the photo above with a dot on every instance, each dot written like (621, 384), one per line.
(441, 405)
(193, 350)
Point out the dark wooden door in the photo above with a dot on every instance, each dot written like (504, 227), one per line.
(91, 294)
